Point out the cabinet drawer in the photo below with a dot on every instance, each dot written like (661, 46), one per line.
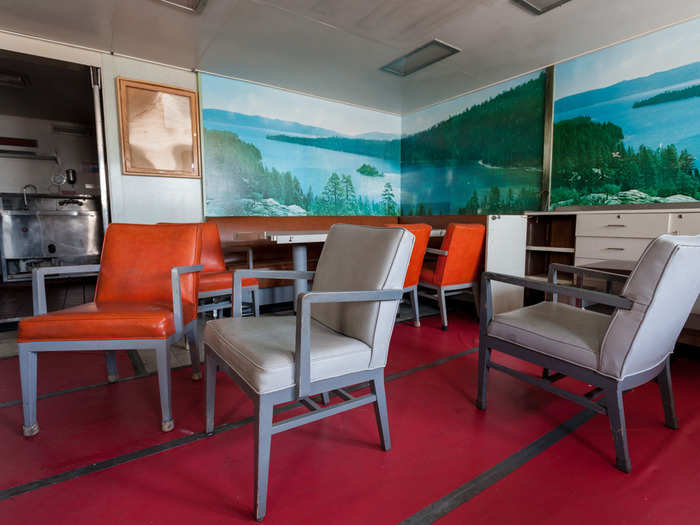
(685, 223)
(616, 248)
(641, 225)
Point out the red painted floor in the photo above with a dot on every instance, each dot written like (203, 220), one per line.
(333, 471)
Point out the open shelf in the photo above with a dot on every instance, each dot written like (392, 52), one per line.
(555, 249)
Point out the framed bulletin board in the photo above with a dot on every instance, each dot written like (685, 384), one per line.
(159, 129)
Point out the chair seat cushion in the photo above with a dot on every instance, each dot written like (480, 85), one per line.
(100, 321)
(261, 350)
(555, 329)
(211, 281)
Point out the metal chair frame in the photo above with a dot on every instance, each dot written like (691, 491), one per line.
(218, 307)
(611, 389)
(28, 351)
(441, 292)
(304, 387)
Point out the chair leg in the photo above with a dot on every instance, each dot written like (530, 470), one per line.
(380, 410)
(443, 307)
(27, 373)
(255, 296)
(263, 438)
(414, 305)
(475, 293)
(111, 362)
(616, 414)
(210, 388)
(664, 379)
(163, 364)
(325, 397)
(484, 357)
(193, 340)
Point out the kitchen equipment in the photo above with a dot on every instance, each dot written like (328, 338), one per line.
(50, 230)
(71, 176)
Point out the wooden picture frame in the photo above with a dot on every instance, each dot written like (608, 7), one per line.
(159, 129)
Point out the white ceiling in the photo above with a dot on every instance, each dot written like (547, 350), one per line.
(334, 48)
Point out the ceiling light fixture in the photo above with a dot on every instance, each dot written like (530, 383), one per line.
(191, 6)
(540, 6)
(425, 55)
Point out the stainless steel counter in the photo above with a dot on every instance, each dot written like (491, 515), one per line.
(47, 230)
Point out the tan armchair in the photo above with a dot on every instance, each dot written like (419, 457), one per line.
(614, 353)
(340, 337)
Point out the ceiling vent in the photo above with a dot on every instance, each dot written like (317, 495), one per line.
(13, 79)
(191, 6)
(540, 6)
(424, 56)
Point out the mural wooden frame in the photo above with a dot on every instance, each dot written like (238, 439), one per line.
(130, 164)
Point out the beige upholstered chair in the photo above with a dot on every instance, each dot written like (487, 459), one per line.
(340, 337)
(614, 352)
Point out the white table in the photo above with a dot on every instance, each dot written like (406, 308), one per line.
(299, 240)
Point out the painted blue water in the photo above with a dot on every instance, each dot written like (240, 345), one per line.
(447, 188)
(312, 166)
(653, 126)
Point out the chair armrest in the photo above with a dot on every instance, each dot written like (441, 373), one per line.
(175, 273)
(302, 357)
(435, 251)
(39, 284)
(239, 275)
(580, 273)
(580, 293)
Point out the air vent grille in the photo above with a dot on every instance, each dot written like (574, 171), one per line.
(425, 55)
(191, 6)
(541, 6)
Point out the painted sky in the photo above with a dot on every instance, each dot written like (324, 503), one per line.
(253, 99)
(424, 118)
(660, 51)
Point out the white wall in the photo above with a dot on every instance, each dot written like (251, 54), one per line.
(144, 199)
(74, 151)
(132, 198)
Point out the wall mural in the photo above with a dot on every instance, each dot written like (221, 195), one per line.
(627, 122)
(273, 152)
(478, 153)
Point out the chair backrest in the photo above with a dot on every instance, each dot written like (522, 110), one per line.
(422, 234)
(465, 246)
(362, 258)
(212, 255)
(137, 259)
(664, 287)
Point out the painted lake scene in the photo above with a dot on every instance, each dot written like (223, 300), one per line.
(478, 153)
(627, 122)
(272, 152)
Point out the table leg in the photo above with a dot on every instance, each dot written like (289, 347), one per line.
(299, 259)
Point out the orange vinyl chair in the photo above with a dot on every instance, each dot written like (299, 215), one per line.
(458, 265)
(146, 298)
(215, 280)
(422, 235)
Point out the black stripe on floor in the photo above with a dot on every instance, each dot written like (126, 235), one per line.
(15, 402)
(463, 494)
(149, 451)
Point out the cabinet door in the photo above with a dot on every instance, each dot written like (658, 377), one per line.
(505, 253)
(685, 223)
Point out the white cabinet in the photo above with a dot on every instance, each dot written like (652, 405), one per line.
(505, 253)
(685, 223)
